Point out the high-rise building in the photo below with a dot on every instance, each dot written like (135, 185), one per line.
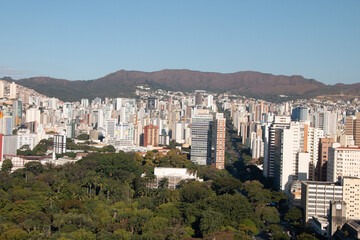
(334, 202)
(198, 97)
(6, 125)
(13, 94)
(326, 121)
(110, 128)
(349, 125)
(60, 143)
(1, 148)
(201, 124)
(10, 144)
(70, 130)
(274, 144)
(316, 198)
(343, 162)
(330, 123)
(210, 101)
(357, 129)
(16, 112)
(256, 146)
(351, 195)
(118, 104)
(151, 135)
(311, 138)
(321, 168)
(152, 103)
(2, 90)
(220, 129)
(300, 114)
(352, 127)
(287, 162)
(33, 115)
(84, 102)
(296, 154)
(179, 131)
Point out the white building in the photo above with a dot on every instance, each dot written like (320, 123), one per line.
(210, 101)
(316, 198)
(179, 132)
(174, 175)
(256, 146)
(33, 115)
(60, 144)
(298, 155)
(326, 121)
(287, 168)
(343, 162)
(2, 89)
(13, 94)
(24, 137)
(274, 144)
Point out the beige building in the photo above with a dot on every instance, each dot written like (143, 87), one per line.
(352, 127)
(351, 195)
(220, 129)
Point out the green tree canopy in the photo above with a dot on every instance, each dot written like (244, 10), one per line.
(193, 192)
(293, 216)
(6, 166)
(270, 215)
(226, 185)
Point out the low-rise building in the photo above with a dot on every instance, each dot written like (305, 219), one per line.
(174, 176)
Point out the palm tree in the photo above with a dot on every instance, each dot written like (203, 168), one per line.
(193, 169)
(164, 183)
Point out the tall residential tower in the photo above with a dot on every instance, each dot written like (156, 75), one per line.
(220, 129)
(201, 137)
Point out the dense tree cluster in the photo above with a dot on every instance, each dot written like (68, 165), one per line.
(104, 196)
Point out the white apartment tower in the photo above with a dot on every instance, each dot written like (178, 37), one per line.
(274, 144)
(13, 94)
(286, 163)
(298, 156)
(2, 95)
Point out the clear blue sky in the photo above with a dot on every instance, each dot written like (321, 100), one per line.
(89, 39)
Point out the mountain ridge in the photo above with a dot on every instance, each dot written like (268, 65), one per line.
(122, 84)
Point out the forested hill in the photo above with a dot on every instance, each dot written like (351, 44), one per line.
(104, 197)
(122, 84)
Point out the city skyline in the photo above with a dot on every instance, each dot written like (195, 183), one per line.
(84, 41)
